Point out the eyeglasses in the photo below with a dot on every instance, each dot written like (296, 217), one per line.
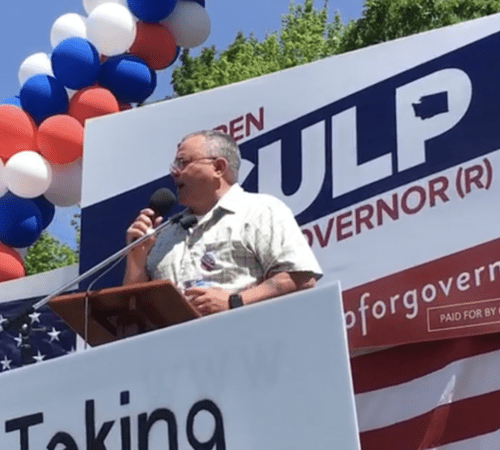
(180, 164)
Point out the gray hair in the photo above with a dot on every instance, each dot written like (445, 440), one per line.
(221, 144)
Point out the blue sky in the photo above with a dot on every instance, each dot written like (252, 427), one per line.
(26, 29)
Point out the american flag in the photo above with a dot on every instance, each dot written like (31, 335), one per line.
(49, 339)
(434, 395)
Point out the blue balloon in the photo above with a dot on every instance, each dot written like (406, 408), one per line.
(20, 221)
(128, 77)
(151, 10)
(47, 210)
(43, 96)
(13, 100)
(75, 63)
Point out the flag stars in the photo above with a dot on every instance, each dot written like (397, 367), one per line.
(5, 363)
(19, 340)
(24, 339)
(38, 357)
(35, 317)
(54, 334)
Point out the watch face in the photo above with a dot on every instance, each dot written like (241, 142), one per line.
(235, 301)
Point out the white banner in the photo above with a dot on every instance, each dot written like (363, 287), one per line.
(271, 376)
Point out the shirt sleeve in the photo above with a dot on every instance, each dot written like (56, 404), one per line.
(279, 243)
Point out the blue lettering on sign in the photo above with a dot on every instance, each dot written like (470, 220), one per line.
(417, 123)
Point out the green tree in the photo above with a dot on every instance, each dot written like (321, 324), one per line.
(76, 224)
(384, 20)
(306, 36)
(47, 253)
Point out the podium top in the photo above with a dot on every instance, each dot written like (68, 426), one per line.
(113, 311)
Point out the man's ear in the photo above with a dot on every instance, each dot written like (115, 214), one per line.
(221, 166)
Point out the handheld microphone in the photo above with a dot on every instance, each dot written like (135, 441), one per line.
(161, 202)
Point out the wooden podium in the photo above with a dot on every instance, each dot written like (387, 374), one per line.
(118, 312)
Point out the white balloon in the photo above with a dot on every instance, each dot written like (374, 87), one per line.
(38, 63)
(3, 182)
(66, 186)
(90, 5)
(189, 23)
(27, 174)
(66, 26)
(111, 28)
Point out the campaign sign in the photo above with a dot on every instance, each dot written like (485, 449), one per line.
(270, 376)
(387, 156)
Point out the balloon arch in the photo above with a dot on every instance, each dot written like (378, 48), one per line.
(100, 64)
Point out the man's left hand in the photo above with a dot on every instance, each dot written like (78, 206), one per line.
(208, 300)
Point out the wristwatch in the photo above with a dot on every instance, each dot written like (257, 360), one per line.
(235, 301)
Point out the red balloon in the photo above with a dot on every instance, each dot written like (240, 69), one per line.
(11, 264)
(93, 101)
(60, 139)
(17, 131)
(155, 44)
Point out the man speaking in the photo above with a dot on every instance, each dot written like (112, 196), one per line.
(244, 248)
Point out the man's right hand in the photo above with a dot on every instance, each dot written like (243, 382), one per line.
(135, 271)
(145, 221)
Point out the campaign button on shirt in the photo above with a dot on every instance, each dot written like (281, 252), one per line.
(208, 261)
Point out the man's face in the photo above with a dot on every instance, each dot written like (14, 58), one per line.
(195, 176)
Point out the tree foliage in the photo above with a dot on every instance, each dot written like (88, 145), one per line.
(306, 35)
(384, 20)
(76, 224)
(47, 253)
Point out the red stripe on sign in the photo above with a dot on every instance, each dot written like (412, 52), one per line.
(408, 362)
(445, 424)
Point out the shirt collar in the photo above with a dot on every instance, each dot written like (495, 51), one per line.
(229, 202)
(231, 199)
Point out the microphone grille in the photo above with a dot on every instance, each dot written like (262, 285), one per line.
(161, 201)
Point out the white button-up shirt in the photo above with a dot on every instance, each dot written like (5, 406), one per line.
(244, 239)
